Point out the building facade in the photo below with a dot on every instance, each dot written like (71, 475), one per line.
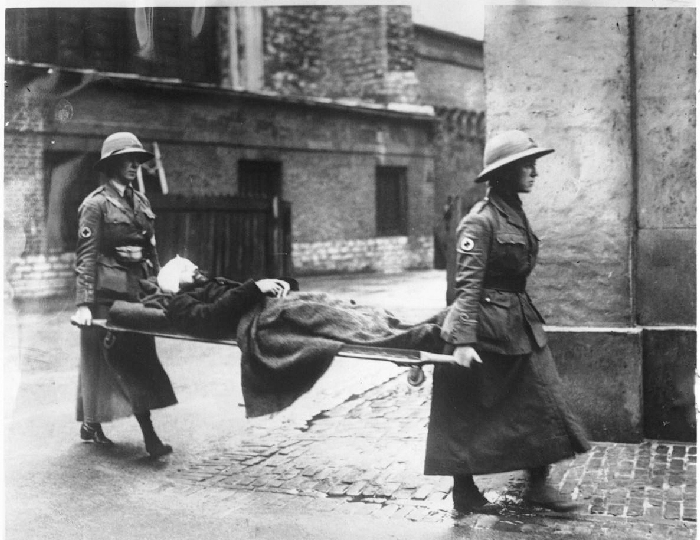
(318, 105)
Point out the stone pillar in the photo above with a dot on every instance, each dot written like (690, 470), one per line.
(664, 52)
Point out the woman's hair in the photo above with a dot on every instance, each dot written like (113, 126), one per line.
(110, 167)
(504, 179)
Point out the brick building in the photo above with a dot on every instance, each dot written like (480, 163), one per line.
(318, 105)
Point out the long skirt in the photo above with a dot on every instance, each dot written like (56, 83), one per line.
(506, 414)
(120, 380)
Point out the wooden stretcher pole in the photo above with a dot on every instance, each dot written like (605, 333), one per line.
(161, 170)
(413, 359)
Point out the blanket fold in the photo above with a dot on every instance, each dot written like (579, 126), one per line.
(288, 344)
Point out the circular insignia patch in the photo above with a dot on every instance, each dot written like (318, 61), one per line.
(466, 244)
(85, 232)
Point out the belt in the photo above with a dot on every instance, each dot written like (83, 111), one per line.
(516, 285)
(129, 254)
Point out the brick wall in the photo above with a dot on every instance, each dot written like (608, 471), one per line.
(293, 49)
(362, 52)
(385, 254)
(40, 276)
(24, 220)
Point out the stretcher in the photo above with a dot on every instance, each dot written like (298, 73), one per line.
(413, 359)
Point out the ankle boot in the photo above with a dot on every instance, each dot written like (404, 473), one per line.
(92, 432)
(540, 492)
(154, 446)
(467, 498)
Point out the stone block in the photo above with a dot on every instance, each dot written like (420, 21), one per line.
(669, 362)
(666, 272)
(601, 370)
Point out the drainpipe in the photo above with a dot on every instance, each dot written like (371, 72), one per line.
(634, 211)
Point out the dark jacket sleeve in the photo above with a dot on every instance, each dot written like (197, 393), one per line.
(473, 247)
(191, 313)
(89, 236)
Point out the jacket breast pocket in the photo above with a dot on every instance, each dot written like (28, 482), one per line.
(117, 216)
(511, 252)
(112, 277)
(495, 313)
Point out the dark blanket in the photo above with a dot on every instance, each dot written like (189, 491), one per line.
(287, 344)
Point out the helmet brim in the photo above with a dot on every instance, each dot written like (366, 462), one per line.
(529, 153)
(141, 155)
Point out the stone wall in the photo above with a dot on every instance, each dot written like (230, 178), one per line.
(568, 85)
(621, 116)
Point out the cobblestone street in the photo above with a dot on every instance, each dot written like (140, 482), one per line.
(365, 457)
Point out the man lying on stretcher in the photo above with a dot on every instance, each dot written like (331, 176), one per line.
(181, 274)
(211, 306)
(287, 341)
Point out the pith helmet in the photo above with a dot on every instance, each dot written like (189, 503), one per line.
(508, 147)
(121, 143)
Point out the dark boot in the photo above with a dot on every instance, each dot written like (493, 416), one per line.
(467, 498)
(154, 446)
(540, 492)
(92, 432)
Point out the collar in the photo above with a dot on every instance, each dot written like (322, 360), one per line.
(115, 193)
(508, 210)
(120, 188)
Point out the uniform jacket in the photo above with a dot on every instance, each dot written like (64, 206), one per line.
(496, 251)
(107, 222)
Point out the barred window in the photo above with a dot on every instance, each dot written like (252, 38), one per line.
(259, 178)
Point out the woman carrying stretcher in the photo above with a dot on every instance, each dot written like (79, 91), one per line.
(503, 407)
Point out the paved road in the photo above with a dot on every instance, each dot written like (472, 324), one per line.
(342, 463)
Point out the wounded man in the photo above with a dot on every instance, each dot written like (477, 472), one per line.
(287, 338)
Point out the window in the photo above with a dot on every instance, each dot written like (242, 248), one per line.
(391, 201)
(259, 179)
(160, 42)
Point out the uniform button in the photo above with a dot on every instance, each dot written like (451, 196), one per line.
(464, 318)
(144, 233)
(487, 299)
